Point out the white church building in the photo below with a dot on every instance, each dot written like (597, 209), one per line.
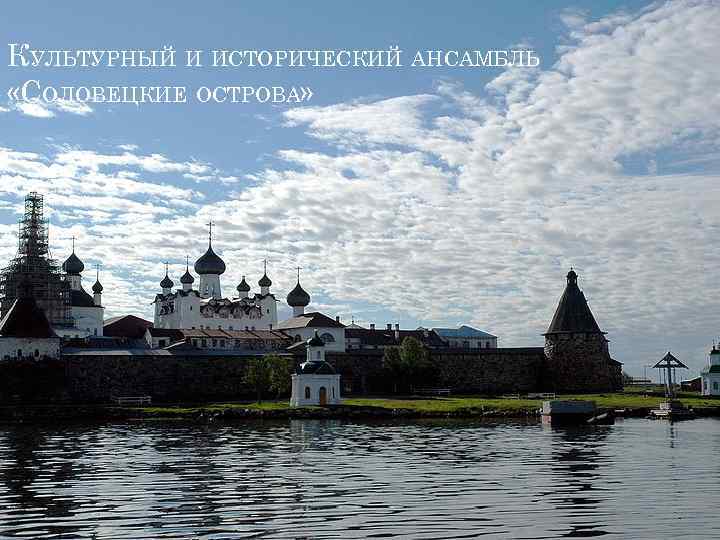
(205, 307)
(87, 311)
(710, 376)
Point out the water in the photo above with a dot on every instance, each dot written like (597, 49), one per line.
(327, 479)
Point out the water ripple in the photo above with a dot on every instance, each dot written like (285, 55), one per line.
(331, 479)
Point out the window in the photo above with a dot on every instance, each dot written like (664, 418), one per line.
(297, 338)
(161, 343)
(317, 354)
(327, 338)
(195, 342)
(204, 342)
(466, 344)
(19, 354)
(37, 353)
(214, 342)
(307, 392)
(715, 385)
(222, 343)
(487, 344)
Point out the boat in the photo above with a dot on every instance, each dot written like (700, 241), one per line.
(568, 412)
(672, 410)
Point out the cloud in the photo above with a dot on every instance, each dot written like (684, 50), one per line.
(37, 108)
(456, 205)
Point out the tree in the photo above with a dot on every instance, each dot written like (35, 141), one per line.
(415, 360)
(258, 376)
(280, 374)
(393, 365)
(407, 364)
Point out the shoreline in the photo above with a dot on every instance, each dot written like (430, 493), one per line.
(466, 407)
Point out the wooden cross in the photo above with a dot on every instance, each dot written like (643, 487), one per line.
(298, 272)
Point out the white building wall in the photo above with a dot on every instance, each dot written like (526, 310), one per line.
(187, 314)
(313, 384)
(710, 384)
(29, 347)
(89, 320)
(210, 286)
(338, 335)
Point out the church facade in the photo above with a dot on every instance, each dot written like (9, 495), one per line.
(86, 311)
(205, 307)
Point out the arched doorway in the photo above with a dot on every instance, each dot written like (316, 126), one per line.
(323, 395)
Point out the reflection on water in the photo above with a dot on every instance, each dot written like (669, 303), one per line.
(329, 479)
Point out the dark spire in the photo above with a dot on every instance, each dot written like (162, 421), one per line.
(298, 297)
(265, 281)
(167, 283)
(243, 287)
(573, 314)
(73, 265)
(315, 341)
(97, 287)
(187, 278)
(210, 263)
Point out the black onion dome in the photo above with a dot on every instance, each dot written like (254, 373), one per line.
(265, 281)
(73, 265)
(167, 283)
(97, 288)
(186, 278)
(298, 297)
(209, 263)
(243, 287)
(315, 341)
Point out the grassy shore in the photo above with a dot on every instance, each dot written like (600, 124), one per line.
(431, 406)
(637, 401)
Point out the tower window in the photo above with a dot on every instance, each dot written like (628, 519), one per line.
(307, 392)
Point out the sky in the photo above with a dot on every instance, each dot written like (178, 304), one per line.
(429, 196)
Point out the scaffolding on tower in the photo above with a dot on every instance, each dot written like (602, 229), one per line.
(33, 265)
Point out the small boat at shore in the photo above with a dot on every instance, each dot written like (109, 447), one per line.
(672, 410)
(574, 412)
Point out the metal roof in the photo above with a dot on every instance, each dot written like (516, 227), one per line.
(464, 331)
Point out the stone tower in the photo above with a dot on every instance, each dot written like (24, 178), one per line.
(576, 350)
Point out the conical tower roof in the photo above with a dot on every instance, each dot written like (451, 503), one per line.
(25, 319)
(573, 314)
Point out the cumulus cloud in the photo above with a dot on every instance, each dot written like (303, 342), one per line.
(458, 205)
(37, 108)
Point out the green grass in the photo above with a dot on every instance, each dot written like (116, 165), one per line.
(449, 404)
(210, 407)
